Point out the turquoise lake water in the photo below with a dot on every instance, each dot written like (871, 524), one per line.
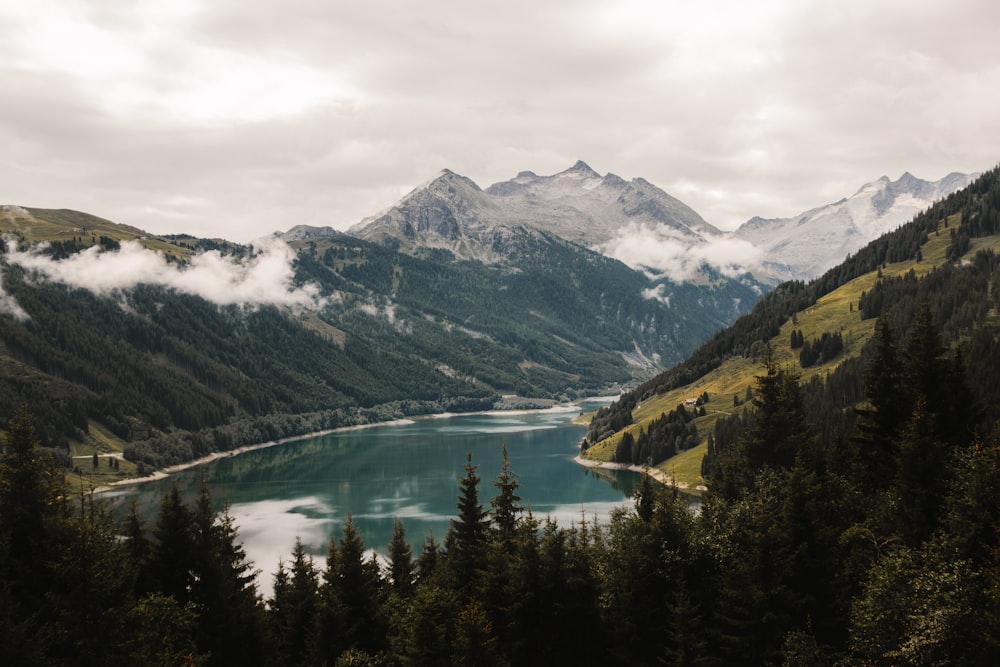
(408, 471)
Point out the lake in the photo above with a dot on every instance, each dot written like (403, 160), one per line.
(408, 471)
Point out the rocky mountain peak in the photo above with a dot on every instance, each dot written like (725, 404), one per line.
(577, 204)
(581, 170)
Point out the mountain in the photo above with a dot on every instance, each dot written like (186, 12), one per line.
(804, 246)
(944, 260)
(578, 205)
(169, 348)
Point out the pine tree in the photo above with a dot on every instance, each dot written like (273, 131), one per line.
(91, 588)
(429, 559)
(778, 431)
(921, 476)
(138, 548)
(160, 632)
(923, 357)
(401, 566)
(466, 538)
(171, 563)
(879, 424)
(213, 574)
(474, 643)
(506, 505)
(294, 608)
(350, 598)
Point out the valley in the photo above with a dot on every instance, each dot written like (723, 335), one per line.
(848, 501)
(457, 299)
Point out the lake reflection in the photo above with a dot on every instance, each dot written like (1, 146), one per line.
(409, 471)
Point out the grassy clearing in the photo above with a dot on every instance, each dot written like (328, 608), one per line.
(108, 447)
(686, 466)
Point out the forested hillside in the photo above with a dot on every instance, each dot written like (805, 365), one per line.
(890, 277)
(164, 376)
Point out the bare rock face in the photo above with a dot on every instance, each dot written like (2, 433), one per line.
(578, 205)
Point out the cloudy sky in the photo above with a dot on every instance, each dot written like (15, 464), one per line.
(234, 119)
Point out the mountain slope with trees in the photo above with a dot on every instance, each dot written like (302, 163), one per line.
(932, 259)
(165, 377)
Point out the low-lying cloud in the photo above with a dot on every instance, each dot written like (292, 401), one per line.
(644, 247)
(9, 306)
(265, 278)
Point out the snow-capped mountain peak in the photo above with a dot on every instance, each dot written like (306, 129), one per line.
(577, 204)
(806, 245)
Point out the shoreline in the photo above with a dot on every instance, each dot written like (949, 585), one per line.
(655, 473)
(163, 473)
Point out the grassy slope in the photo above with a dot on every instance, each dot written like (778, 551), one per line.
(65, 225)
(831, 313)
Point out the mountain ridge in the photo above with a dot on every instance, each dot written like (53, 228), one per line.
(803, 246)
(577, 204)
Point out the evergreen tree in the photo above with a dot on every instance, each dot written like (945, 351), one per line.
(918, 607)
(171, 563)
(972, 508)
(350, 594)
(90, 590)
(879, 424)
(138, 548)
(931, 376)
(425, 635)
(506, 505)
(32, 504)
(232, 619)
(466, 538)
(921, 477)
(778, 432)
(294, 607)
(401, 565)
(32, 516)
(427, 563)
(160, 633)
(474, 643)
(635, 589)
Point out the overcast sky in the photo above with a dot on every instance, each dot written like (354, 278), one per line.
(234, 119)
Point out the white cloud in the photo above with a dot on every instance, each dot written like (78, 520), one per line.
(9, 306)
(642, 246)
(264, 278)
(234, 119)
